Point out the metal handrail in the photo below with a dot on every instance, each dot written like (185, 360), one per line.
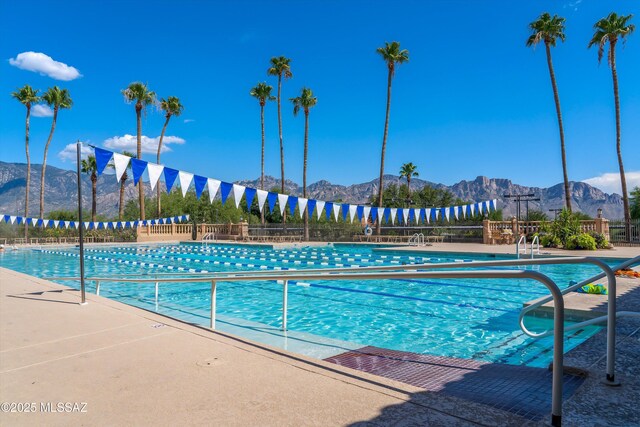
(536, 242)
(212, 236)
(522, 239)
(558, 343)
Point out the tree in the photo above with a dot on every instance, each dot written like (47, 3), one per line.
(408, 171)
(392, 55)
(280, 67)
(262, 92)
(27, 96)
(171, 107)
(611, 29)
(635, 203)
(90, 167)
(305, 102)
(548, 30)
(140, 94)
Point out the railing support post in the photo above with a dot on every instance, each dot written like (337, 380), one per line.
(284, 304)
(97, 287)
(213, 305)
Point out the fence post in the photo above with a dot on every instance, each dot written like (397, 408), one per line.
(515, 228)
(486, 232)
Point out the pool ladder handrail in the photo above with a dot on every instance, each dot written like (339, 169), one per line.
(417, 240)
(523, 241)
(208, 237)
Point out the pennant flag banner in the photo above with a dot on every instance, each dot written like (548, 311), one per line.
(54, 223)
(363, 212)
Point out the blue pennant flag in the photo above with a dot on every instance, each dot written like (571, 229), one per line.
(100, 226)
(102, 158)
(50, 223)
(6, 218)
(374, 214)
(39, 223)
(293, 202)
(272, 198)
(110, 226)
(119, 225)
(328, 209)
(199, 182)
(412, 215)
(72, 224)
(225, 189)
(443, 214)
(249, 194)
(153, 222)
(387, 212)
(434, 215)
(138, 167)
(452, 213)
(170, 176)
(345, 211)
(468, 210)
(19, 220)
(423, 215)
(311, 206)
(492, 205)
(360, 212)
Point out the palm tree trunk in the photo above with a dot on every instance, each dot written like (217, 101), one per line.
(139, 146)
(409, 184)
(262, 158)
(556, 97)
(164, 128)
(304, 173)
(623, 180)
(26, 201)
(384, 147)
(284, 213)
(44, 161)
(94, 182)
(121, 205)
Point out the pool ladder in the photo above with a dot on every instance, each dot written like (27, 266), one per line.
(417, 240)
(521, 246)
(208, 238)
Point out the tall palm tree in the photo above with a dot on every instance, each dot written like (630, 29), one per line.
(305, 102)
(548, 30)
(27, 96)
(409, 170)
(611, 29)
(171, 107)
(280, 67)
(90, 167)
(56, 98)
(140, 94)
(392, 55)
(262, 92)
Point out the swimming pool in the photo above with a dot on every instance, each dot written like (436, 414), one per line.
(465, 318)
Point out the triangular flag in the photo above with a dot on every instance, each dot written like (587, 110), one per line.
(249, 194)
(185, 181)
(225, 189)
(120, 163)
(473, 209)
(360, 212)
(328, 209)
(320, 204)
(443, 213)
(56, 223)
(381, 213)
(311, 205)
(367, 211)
(302, 205)
(434, 214)
(238, 191)
(138, 167)
(352, 211)
(282, 202)
(416, 215)
(154, 173)
(102, 159)
(199, 182)
(36, 222)
(374, 215)
(387, 213)
(461, 211)
(394, 211)
(336, 210)
(262, 197)
(447, 212)
(494, 204)
(12, 218)
(272, 198)
(170, 176)
(66, 224)
(212, 186)
(428, 215)
(405, 215)
(454, 212)
(345, 211)
(293, 202)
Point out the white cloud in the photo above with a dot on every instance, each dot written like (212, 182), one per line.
(41, 110)
(70, 152)
(189, 120)
(610, 182)
(149, 145)
(45, 65)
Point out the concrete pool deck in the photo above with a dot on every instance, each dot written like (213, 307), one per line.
(132, 366)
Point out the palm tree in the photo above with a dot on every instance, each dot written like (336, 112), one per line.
(280, 67)
(263, 93)
(549, 29)
(89, 166)
(140, 94)
(56, 98)
(610, 29)
(408, 170)
(392, 55)
(305, 101)
(171, 107)
(27, 96)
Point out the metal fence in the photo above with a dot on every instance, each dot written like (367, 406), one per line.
(621, 235)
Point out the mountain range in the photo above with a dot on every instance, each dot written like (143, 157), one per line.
(61, 192)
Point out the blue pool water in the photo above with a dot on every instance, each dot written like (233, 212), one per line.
(465, 318)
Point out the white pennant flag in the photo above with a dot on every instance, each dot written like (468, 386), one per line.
(120, 162)
(394, 211)
(238, 191)
(336, 210)
(282, 201)
(86, 225)
(66, 224)
(405, 215)
(487, 206)
(437, 213)
(464, 211)
(77, 224)
(367, 211)
(34, 221)
(380, 214)
(455, 212)
(154, 173)
(319, 207)
(185, 181)
(12, 218)
(428, 214)
(416, 215)
(473, 209)
(213, 185)
(262, 197)
(55, 223)
(447, 213)
(352, 211)
(302, 205)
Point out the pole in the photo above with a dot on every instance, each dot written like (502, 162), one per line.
(83, 298)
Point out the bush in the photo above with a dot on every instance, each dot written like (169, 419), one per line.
(601, 240)
(549, 241)
(565, 227)
(581, 241)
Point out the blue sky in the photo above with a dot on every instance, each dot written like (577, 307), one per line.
(473, 100)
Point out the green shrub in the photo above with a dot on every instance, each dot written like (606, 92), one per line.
(581, 241)
(549, 241)
(601, 240)
(565, 227)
